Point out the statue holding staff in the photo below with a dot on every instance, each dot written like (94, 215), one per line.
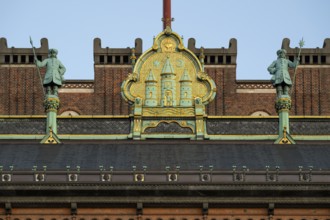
(279, 69)
(54, 72)
(281, 77)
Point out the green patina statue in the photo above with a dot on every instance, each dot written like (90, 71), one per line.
(281, 77)
(54, 74)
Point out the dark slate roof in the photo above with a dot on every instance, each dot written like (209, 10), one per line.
(158, 154)
(23, 126)
(66, 126)
(267, 126)
(215, 126)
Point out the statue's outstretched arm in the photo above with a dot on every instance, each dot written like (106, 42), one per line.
(41, 64)
(293, 64)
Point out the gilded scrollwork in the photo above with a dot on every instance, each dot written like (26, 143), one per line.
(154, 124)
(126, 85)
(164, 112)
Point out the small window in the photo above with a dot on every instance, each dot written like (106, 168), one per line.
(15, 59)
(323, 59)
(291, 58)
(228, 59)
(23, 59)
(117, 59)
(307, 59)
(220, 59)
(31, 59)
(7, 58)
(109, 59)
(101, 59)
(205, 59)
(315, 59)
(212, 59)
(125, 59)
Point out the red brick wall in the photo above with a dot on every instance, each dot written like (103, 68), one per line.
(168, 213)
(21, 94)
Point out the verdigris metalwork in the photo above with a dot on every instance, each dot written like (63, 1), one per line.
(282, 82)
(283, 106)
(281, 77)
(54, 75)
(51, 104)
(53, 80)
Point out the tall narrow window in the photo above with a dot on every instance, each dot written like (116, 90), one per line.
(323, 59)
(125, 59)
(212, 59)
(109, 59)
(23, 58)
(228, 59)
(7, 58)
(31, 59)
(220, 59)
(307, 59)
(117, 59)
(101, 59)
(15, 59)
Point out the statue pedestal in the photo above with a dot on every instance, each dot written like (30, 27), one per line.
(283, 106)
(51, 104)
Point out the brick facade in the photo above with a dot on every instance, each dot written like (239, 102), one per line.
(163, 213)
(20, 87)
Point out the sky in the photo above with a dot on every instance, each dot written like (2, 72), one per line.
(258, 25)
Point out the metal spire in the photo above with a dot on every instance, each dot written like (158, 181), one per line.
(167, 19)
